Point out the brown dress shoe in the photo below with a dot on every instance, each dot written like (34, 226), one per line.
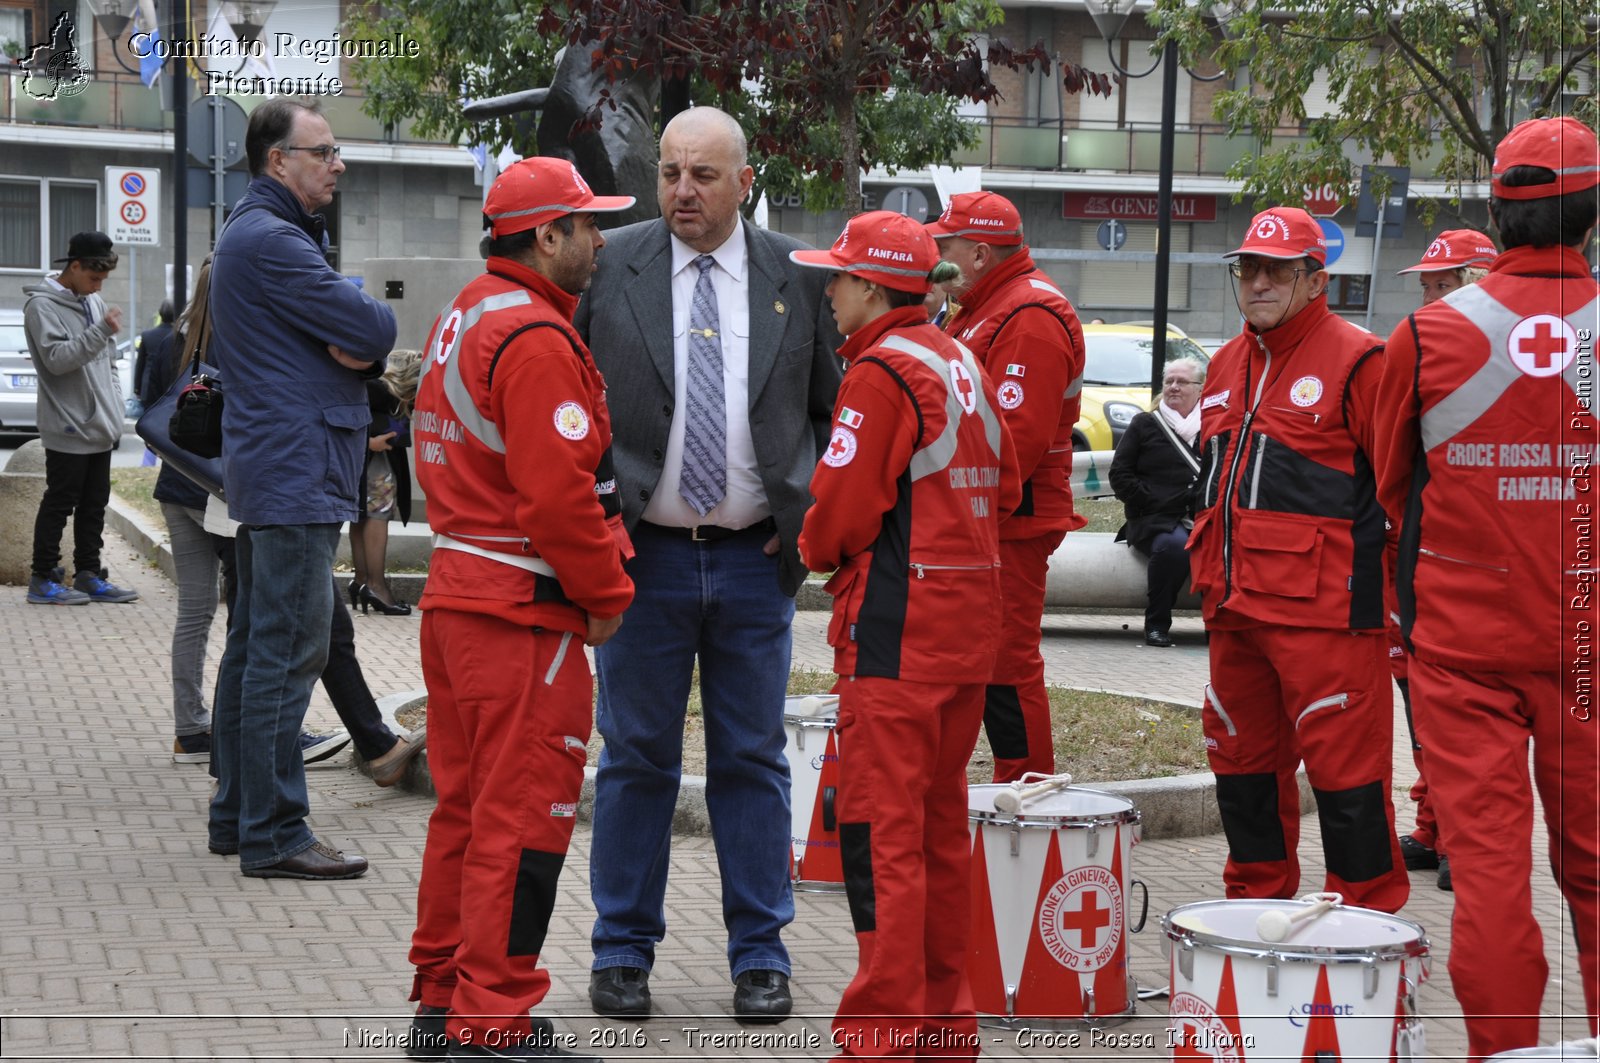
(387, 769)
(319, 861)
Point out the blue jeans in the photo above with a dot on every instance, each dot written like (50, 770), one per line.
(719, 602)
(277, 646)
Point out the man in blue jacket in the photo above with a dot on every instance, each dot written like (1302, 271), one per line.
(294, 342)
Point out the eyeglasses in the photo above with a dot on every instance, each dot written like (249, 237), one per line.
(1279, 271)
(328, 153)
(1181, 383)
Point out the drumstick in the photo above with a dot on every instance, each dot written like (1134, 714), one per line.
(1010, 801)
(1275, 924)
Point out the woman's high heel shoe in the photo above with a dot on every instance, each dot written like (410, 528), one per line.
(355, 590)
(383, 607)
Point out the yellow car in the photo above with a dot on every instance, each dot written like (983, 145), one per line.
(1116, 379)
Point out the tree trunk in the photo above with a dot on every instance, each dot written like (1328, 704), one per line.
(844, 112)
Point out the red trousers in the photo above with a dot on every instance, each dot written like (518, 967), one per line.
(509, 712)
(1427, 829)
(1016, 711)
(1280, 695)
(1476, 727)
(906, 851)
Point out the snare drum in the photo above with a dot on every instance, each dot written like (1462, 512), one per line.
(1343, 984)
(812, 746)
(1050, 897)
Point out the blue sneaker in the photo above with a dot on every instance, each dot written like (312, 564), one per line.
(315, 747)
(99, 589)
(43, 591)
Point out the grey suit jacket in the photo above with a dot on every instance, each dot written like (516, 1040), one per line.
(626, 319)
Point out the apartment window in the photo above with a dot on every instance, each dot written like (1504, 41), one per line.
(1136, 101)
(1107, 282)
(1347, 291)
(38, 217)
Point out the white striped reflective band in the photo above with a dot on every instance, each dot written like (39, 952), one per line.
(536, 565)
(561, 656)
(1460, 409)
(936, 455)
(455, 387)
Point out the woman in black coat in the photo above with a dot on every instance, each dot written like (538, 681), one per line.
(385, 484)
(1154, 469)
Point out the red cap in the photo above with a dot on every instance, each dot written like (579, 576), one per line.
(1284, 232)
(534, 191)
(987, 217)
(1456, 249)
(1564, 145)
(883, 247)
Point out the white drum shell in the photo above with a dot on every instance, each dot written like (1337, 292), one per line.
(810, 739)
(1351, 973)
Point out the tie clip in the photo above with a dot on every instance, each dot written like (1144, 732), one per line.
(708, 333)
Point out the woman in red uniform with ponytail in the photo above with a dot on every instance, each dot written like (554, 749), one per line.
(909, 492)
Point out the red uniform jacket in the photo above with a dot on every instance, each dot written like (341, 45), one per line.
(1487, 458)
(1288, 529)
(1027, 337)
(910, 492)
(512, 442)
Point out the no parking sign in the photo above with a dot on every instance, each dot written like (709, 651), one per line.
(133, 206)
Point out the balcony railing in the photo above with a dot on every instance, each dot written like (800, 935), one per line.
(1197, 150)
(120, 101)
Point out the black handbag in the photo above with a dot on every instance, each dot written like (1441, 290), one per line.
(154, 427)
(196, 423)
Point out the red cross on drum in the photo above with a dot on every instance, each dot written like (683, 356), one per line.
(1050, 888)
(1542, 345)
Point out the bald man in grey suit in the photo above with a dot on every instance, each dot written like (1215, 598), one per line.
(720, 370)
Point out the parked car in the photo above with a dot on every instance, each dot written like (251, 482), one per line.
(19, 383)
(19, 377)
(1116, 378)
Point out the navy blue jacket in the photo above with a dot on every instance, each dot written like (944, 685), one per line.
(294, 424)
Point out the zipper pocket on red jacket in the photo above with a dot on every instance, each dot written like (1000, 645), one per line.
(921, 569)
(1461, 560)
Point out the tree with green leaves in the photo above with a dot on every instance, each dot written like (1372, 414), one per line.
(824, 88)
(1415, 82)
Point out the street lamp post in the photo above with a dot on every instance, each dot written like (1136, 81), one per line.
(1109, 17)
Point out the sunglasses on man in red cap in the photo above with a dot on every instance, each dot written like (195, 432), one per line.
(534, 191)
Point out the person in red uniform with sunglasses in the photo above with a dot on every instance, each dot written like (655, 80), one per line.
(1287, 554)
(909, 495)
(1487, 460)
(1028, 340)
(513, 445)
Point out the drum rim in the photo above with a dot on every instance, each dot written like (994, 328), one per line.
(1295, 952)
(1130, 814)
(828, 722)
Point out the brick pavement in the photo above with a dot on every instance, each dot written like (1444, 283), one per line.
(123, 938)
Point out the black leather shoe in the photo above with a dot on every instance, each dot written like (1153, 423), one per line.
(542, 1042)
(1418, 857)
(1157, 638)
(426, 1039)
(620, 992)
(319, 861)
(762, 996)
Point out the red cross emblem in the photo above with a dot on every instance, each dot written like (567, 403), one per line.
(1087, 920)
(841, 448)
(448, 330)
(1542, 345)
(966, 390)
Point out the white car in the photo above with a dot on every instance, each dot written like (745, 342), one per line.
(19, 382)
(19, 378)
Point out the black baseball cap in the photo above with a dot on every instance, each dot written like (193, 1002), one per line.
(89, 247)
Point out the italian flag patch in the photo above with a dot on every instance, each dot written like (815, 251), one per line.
(849, 418)
(1015, 370)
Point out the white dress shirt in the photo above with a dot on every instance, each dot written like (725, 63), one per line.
(746, 500)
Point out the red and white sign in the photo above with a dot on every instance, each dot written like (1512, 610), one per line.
(1137, 206)
(1324, 200)
(133, 206)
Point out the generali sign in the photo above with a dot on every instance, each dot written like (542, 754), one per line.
(1126, 206)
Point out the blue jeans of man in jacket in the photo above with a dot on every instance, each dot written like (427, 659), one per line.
(719, 603)
(277, 646)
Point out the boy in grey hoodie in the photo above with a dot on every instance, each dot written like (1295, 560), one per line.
(70, 336)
